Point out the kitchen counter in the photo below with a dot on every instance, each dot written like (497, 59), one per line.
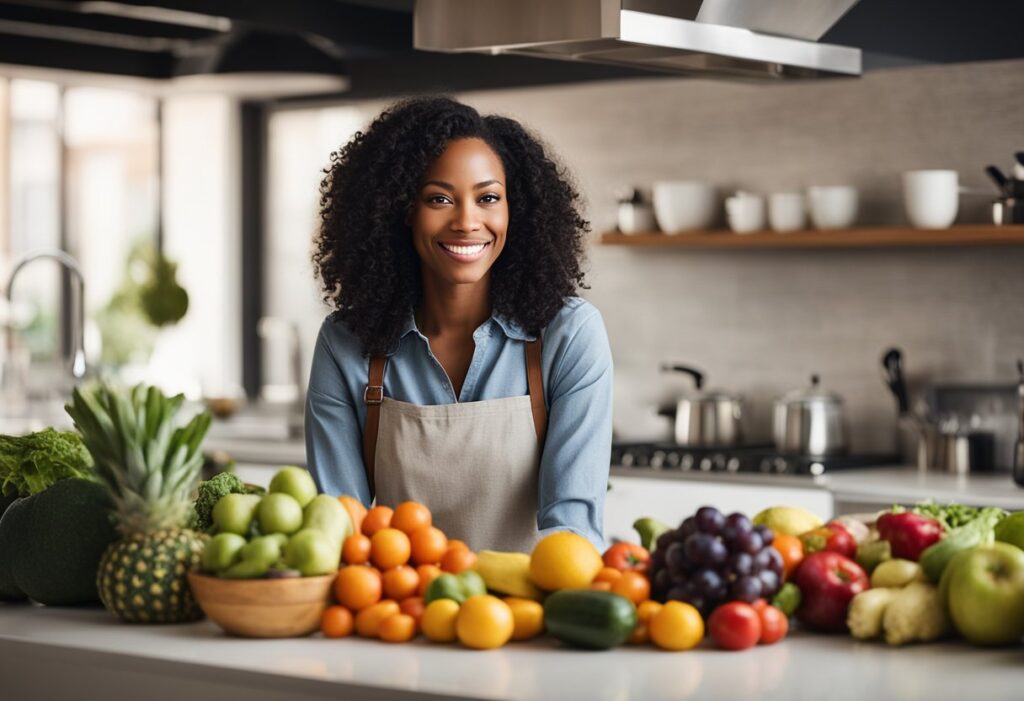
(85, 653)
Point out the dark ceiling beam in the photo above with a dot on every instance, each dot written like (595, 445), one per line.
(48, 16)
(358, 29)
(50, 53)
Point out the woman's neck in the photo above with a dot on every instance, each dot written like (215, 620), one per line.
(453, 309)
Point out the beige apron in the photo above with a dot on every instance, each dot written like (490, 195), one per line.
(474, 464)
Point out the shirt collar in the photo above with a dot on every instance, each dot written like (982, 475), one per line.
(508, 327)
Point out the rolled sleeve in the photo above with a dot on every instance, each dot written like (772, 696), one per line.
(577, 450)
(333, 431)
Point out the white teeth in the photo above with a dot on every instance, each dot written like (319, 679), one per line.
(464, 250)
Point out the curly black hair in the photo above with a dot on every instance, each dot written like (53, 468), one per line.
(364, 254)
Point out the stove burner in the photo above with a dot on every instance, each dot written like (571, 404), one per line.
(763, 459)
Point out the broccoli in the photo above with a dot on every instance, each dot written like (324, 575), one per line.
(210, 493)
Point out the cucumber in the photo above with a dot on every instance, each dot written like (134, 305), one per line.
(588, 618)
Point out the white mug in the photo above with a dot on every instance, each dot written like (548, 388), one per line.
(745, 212)
(832, 206)
(931, 197)
(787, 211)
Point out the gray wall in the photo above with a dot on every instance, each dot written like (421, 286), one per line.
(761, 322)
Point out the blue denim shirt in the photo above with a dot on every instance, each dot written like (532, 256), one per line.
(577, 367)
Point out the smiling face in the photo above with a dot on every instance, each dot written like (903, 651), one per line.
(460, 218)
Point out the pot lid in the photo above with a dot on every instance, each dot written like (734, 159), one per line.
(814, 394)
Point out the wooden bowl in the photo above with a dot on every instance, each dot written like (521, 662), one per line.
(263, 608)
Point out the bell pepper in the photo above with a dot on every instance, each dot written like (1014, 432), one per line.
(626, 556)
(832, 537)
(909, 533)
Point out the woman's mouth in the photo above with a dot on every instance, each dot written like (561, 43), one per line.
(465, 252)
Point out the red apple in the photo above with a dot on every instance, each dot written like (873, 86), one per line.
(827, 582)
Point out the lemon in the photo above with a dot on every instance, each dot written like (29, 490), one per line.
(484, 622)
(564, 560)
(528, 616)
(676, 626)
(438, 622)
(790, 520)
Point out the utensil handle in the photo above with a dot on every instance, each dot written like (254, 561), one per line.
(697, 375)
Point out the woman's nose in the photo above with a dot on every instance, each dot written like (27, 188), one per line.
(466, 219)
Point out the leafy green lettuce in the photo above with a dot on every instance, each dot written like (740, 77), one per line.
(31, 463)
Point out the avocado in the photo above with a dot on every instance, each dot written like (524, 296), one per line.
(69, 529)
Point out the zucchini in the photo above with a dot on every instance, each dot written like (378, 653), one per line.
(588, 618)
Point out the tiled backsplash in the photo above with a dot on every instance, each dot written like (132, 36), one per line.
(760, 322)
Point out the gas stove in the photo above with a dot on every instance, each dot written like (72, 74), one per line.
(761, 459)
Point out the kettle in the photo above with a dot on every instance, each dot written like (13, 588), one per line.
(810, 421)
(705, 419)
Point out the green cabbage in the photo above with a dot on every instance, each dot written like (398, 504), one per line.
(31, 463)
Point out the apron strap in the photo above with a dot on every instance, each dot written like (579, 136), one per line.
(373, 395)
(535, 380)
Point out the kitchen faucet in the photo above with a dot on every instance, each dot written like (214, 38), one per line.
(275, 327)
(76, 361)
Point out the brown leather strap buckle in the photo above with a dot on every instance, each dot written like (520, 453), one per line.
(373, 394)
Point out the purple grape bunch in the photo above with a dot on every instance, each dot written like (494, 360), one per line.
(713, 558)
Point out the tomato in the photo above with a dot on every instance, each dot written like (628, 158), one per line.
(774, 624)
(735, 626)
(632, 585)
(626, 556)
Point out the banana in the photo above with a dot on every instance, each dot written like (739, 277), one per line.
(507, 573)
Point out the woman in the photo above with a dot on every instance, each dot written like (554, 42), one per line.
(458, 369)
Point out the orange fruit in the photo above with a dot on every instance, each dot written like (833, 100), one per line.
(607, 574)
(358, 586)
(376, 518)
(438, 622)
(400, 582)
(336, 622)
(484, 622)
(427, 574)
(356, 550)
(457, 544)
(389, 547)
(632, 585)
(369, 619)
(600, 586)
(792, 551)
(644, 612)
(528, 617)
(676, 626)
(410, 516)
(564, 560)
(412, 606)
(457, 560)
(356, 511)
(429, 545)
(399, 628)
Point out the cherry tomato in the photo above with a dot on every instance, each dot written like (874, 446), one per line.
(774, 624)
(735, 626)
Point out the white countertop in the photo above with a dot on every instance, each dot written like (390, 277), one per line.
(48, 649)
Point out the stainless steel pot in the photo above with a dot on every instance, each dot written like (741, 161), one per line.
(810, 421)
(705, 419)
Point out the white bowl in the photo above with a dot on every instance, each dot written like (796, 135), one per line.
(684, 205)
(832, 207)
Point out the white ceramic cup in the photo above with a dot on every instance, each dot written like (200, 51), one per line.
(787, 211)
(684, 205)
(745, 212)
(931, 197)
(832, 206)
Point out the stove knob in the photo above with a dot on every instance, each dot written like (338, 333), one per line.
(686, 462)
(673, 458)
(765, 465)
(817, 469)
(733, 465)
(718, 462)
(627, 460)
(705, 464)
(780, 465)
(658, 459)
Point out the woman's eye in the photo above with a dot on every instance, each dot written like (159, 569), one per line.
(437, 199)
(490, 199)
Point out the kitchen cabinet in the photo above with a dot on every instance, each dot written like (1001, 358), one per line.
(875, 237)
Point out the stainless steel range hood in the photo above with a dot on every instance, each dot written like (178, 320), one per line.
(768, 39)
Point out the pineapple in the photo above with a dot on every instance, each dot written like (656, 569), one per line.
(150, 468)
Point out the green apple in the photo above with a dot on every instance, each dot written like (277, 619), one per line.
(312, 552)
(1011, 529)
(279, 513)
(296, 482)
(256, 558)
(233, 513)
(222, 551)
(325, 513)
(986, 594)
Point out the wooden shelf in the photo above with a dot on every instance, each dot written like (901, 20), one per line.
(876, 237)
